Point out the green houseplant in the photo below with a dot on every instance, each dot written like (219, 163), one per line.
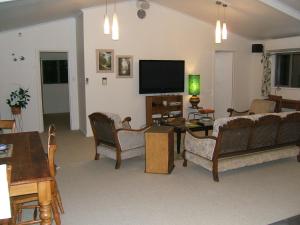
(18, 99)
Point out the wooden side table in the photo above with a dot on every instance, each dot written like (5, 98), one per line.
(159, 149)
(207, 111)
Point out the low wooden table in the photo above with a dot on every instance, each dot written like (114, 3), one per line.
(159, 149)
(180, 125)
(30, 172)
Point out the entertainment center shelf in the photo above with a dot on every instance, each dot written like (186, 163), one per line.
(159, 107)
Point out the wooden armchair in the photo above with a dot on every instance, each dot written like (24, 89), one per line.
(257, 106)
(115, 139)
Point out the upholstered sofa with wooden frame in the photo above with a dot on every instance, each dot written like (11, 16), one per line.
(115, 139)
(243, 141)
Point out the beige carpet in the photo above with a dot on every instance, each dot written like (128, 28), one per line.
(94, 193)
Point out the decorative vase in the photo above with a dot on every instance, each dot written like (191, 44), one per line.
(15, 110)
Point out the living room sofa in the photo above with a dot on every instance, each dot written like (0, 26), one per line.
(245, 140)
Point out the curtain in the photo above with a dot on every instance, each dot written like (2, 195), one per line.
(266, 78)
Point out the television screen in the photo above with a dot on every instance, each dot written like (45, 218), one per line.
(161, 76)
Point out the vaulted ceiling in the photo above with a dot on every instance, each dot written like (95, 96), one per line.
(253, 19)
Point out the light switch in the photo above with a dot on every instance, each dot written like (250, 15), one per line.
(104, 81)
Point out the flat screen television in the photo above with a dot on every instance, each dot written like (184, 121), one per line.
(161, 76)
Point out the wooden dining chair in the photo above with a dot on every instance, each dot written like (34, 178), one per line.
(8, 172)
(56, 203)
(8, 124)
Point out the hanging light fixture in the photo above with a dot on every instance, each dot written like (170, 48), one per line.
(115, 25)
(224, 26)
(218, 32)
(106, 28)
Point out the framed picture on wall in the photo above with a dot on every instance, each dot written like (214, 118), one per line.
(124, 66)
(105, 60)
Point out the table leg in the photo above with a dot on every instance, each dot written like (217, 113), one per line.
(178, 132)
(206, 132)
(44, 192)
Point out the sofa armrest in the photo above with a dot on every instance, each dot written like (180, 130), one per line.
(233, 112)
(130, 138)
(202, 146)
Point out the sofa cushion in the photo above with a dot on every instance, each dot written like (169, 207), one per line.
(203, 147)
(262, 106)
(235, 162)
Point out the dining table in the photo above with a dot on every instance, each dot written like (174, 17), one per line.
(30, 171)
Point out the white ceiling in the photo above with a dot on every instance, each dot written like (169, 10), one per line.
(253, 19)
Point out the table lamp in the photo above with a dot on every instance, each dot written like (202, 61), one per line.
(194, 90)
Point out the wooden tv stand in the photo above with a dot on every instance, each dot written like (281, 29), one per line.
(159, 107)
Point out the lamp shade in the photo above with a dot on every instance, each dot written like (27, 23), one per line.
(218, 32)
(115, 27)
(194, 84)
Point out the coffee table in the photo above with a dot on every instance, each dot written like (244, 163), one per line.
(180, 125)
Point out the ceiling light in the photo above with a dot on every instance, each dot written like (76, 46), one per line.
(106, 27)
(218, 32)
(224, 26)
(115, 25)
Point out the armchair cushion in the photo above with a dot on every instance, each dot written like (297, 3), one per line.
(118, 122)
(203, 147)
(130, 139)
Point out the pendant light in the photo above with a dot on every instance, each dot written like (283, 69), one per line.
(224, 26)
(106, 27)
(218, 32)
(115, 25)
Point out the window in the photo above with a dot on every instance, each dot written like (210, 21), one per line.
(55, 71)
(287, 70)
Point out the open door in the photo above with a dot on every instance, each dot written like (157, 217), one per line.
(55, 89)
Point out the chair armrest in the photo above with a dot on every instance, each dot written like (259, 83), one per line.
(126, 122)
(131, 139)
(233, 112)
(202, 146)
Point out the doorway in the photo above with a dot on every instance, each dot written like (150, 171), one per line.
(55, 89)
(223, 82)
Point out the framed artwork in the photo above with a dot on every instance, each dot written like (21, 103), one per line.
(105, 60)
(124, 66)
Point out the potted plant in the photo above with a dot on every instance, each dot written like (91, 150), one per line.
(18, 99)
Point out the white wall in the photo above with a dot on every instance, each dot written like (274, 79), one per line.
(257, 68)
(163, 34)
(80, 69)
(56, 98)
(55, 36)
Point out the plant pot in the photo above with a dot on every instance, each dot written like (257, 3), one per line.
(15, 110)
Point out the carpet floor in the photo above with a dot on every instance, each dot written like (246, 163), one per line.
(295, 220)
(94, 193)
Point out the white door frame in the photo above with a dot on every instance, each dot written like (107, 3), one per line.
(73, 108)
(214, 75)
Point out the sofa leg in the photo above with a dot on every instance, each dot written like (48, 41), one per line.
(215, 170)
(298, 157)
(184, 163)
(97, 156)
(216, 176)
(118, 164)
(184, 159)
